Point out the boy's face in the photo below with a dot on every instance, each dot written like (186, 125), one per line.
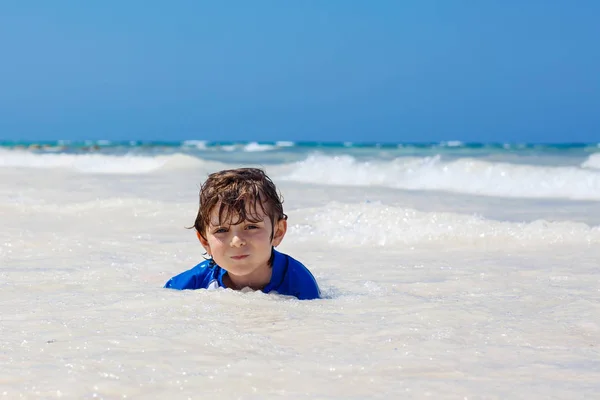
(243, 250)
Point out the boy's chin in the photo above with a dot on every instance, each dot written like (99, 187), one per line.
(241, 269)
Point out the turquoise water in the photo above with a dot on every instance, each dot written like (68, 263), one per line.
(275, 152)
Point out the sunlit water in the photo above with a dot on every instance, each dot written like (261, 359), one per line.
(441, 279)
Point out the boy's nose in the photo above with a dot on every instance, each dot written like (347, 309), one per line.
(236, 241)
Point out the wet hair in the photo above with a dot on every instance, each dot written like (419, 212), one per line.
(243, 194)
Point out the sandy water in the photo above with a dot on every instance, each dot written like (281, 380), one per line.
(427, 294)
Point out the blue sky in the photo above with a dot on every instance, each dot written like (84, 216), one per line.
(390, 71)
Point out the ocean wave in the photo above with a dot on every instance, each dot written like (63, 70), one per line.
(452, 143)
(382, 225)
(285, 143)
(465, 175)
(97, 163)
(255, 146)
(199, 144)
(110, 204)
(592, 162)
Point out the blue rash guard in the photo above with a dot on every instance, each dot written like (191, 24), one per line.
(289, 278)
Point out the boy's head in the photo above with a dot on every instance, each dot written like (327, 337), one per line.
(239, 195)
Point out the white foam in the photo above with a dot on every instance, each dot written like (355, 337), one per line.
(255, 146)
(452, 143)
(592, 162)
(107, 204)
(181, 161)
(382, 225)
(199, 144)
(284, 143)
(95, 163)
(464, 175)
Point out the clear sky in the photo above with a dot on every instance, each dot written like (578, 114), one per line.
(329, 70)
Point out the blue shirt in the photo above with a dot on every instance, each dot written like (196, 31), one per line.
(289, 277)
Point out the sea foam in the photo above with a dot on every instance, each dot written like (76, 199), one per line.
(255, 146)
(382, 225)
(97, 163)
(465, 175)
(592, 162)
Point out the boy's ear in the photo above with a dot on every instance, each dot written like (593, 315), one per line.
(204, 242)
(280, 230)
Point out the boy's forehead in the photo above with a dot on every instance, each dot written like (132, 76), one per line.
(231, 215)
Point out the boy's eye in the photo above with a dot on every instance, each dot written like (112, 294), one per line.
(220, 230)
(252, 227)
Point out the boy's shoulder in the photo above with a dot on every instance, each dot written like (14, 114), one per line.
(199, 277)
(293, 278)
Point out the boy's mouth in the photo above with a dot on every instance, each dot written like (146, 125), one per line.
(239, 257)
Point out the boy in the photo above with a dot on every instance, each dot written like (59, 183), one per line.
(239, 223)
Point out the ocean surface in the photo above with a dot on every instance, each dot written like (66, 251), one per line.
(448, 271)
